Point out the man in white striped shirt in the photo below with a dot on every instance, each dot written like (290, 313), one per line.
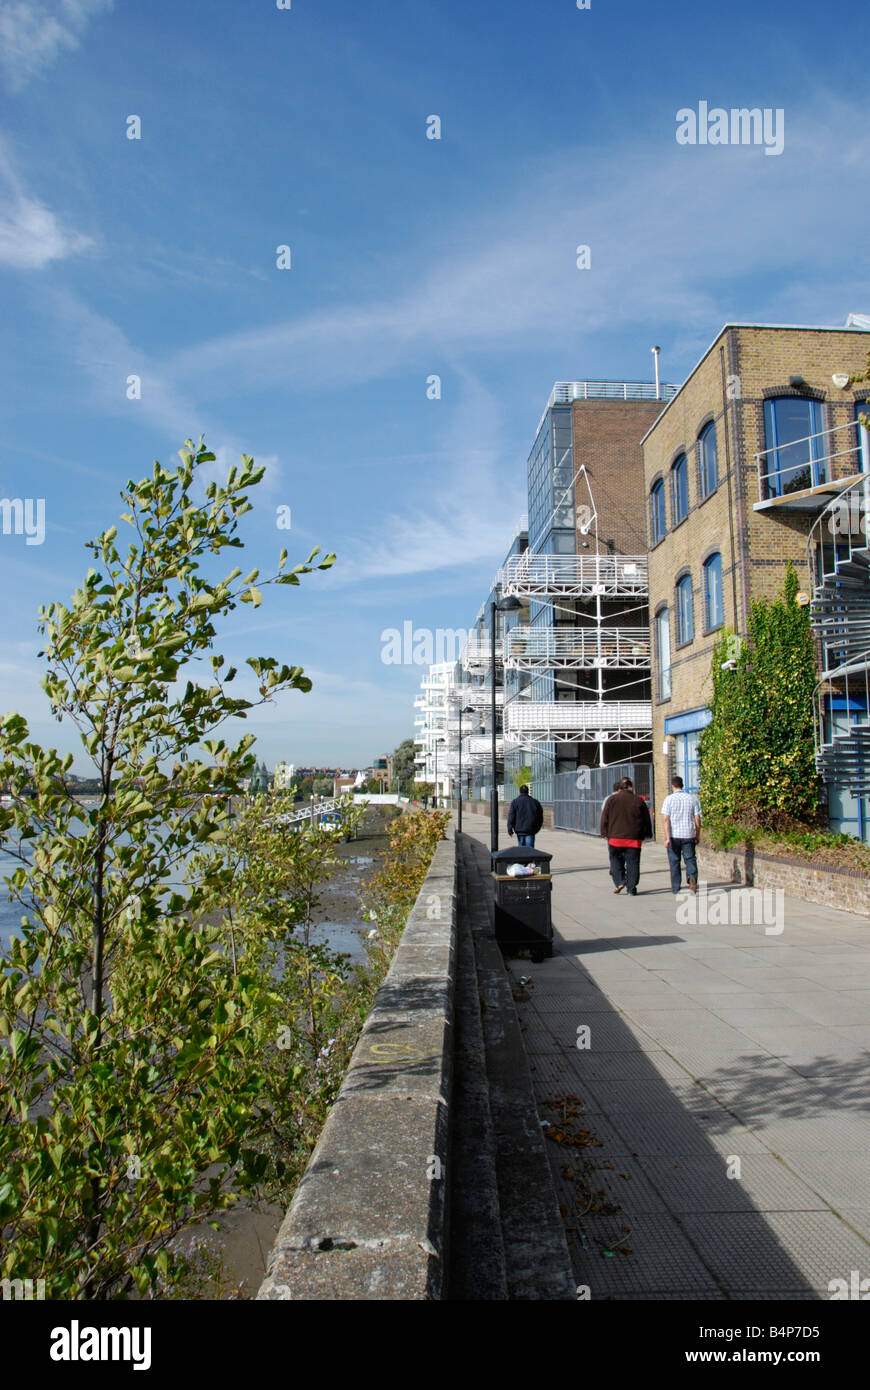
(681, 813)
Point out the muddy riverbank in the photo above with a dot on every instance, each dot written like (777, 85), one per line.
(246, 1234)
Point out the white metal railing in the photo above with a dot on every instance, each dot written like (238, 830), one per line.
(842, 736)
(841, 529)
(577, 648)
(482, 744)
(812, 461)
(528, 574)
(478, 696)
(476, 653)
(564, 392)
(571, 721)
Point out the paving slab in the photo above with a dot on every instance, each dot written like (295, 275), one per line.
(715, 1146)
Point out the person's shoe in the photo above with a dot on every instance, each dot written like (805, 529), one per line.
(633, 892)
(693, 884)
(619, 889)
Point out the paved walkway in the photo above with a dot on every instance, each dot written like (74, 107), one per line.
(715, 1132)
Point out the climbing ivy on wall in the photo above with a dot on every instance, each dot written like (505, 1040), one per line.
(757, 753)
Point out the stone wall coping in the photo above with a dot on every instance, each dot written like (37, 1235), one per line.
(368, 1220)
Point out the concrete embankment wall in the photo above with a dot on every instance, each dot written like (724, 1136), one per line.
(368, 1220)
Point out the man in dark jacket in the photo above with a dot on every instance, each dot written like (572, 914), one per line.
(525, 816)
(625, 824)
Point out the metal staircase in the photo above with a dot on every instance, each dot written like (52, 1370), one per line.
(839, 556)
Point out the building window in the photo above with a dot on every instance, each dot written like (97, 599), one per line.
(686, 759)
(685, 611)
(796, 454)
(713, 592)
(658, 523)
(663, 653)
(680, 489)
(708, 463)
(863, 464)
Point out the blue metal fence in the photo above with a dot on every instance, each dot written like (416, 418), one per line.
(579, 796)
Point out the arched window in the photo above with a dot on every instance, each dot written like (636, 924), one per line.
(708, 463)
(657, 520)
(796, 450)
(663, 653)
(685, 611)
(713, 606)
(680, 489)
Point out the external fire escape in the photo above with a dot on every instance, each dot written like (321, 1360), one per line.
(600, 646)
(840, 615)
(826, 474)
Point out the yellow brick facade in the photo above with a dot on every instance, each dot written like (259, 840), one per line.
(744, 366)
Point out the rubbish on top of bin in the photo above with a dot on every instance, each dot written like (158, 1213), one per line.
(522, 870)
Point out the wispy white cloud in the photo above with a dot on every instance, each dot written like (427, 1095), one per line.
(672, 232)
(108, 360)
(35, 33)
(31, 236)
(470, 513)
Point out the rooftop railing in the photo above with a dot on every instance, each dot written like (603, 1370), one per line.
(564, 392)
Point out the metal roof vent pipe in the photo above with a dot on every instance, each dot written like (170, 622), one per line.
(655, 353)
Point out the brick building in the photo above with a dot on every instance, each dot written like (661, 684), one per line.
(585, 642)
(740, 471)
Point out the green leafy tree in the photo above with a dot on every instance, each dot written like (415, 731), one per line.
(323, 786)
(404, 767)
(522, 777)
(312, 1012)
(757, 765)
(128, 1043)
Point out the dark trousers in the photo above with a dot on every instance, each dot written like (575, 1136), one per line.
(686, 849)
(624, 865)
(526, 841)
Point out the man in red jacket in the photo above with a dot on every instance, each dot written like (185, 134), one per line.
(625, 824)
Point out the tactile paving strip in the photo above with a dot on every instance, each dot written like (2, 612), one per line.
(800, 1250)
(661, 1261)
(701, 1184)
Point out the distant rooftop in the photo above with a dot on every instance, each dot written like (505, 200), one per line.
(564, 392)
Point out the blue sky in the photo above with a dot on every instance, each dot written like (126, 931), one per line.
(410, 257)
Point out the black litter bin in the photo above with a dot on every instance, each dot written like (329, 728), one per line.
(523, 919)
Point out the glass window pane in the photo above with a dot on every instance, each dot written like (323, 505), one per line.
(713, 591)
(663, 652)
(679, 476)
(709, 463)
(796, 460)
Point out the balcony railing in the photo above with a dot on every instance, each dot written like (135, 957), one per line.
(802, 474)
(588, 648)
(581, 721)
(529, 575)
(478, 696)
(475, 655)
(564, 392)
(481, 745)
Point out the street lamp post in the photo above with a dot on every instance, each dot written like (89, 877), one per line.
(507, 605)
(468, 710)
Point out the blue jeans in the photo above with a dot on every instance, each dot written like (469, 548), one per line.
(686, 848)
(526, 841)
